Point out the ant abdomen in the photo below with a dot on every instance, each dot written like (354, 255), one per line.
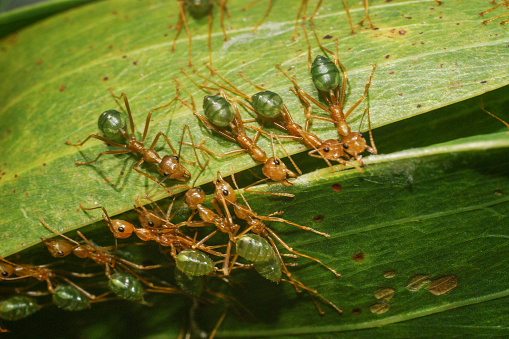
(199, 8)
(189, 284)
(268, 104)
(69, 298)
(18, 307)
(111, 122)
(194, 263)
(254, 248)
(270, 269)
(325, 74)
(126, 286)
(218, 110)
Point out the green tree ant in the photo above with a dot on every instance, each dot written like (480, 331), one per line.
(218, 114)
(168, 166)
(270, 107)
(326, 77)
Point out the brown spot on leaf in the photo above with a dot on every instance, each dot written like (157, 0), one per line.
(443, 284)
(62, 88)
(337, 187)
(379, 308)
(359, 256)
(384, 293)
(318, 218)
(417, 282)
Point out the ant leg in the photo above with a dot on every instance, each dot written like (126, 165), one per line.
(293, 224)
(178, 26)
(348, 15)
(302, 9)
(493, 115)
(219, 322)
(222, 10)
(300, 254)
(149, 115)
(207, 237)
(101, 154)
(366, 15)
(192, 142)
(264, 16)
(203, 148)
(497, 17)
(366, 88)
(126, 102)
(184, 21)
(246, 189)
(311, 154)
(209, 40)
(135, 167)
(286, 153)
(316, 10)
(95, 136)
(438, 2)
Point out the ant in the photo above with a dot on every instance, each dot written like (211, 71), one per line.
(270, 107)
(326, 77)
(219, 114)
(505, 3)
(168, 166)
(198, 9)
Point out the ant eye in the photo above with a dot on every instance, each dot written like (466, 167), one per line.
(150, 223)
(225, 192)
(121, 229)
(166, 174)
(345, 146)
(326, 149)
(276, 161)
(175, 157)
(361, 135)
(4, 273)
(198, 189)
(60, 253)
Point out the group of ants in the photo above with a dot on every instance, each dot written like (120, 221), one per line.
(250, 243)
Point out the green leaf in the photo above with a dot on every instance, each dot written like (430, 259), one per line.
(55, 84)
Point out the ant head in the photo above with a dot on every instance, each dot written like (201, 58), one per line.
(194, 197)
(148, 219)
(121, 229)
(331, 149)
(171, 167)
(275, 169)
(6, 270)
(354, 143)
(224, 191)
(59, 248)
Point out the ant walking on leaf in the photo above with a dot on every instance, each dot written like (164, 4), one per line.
(326, 77)
(220, 112)
(168, 166)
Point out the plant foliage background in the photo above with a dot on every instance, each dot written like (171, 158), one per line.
(434, 202)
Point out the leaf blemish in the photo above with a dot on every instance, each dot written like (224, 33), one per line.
(337, 187)
(318, 218)
(359, 256)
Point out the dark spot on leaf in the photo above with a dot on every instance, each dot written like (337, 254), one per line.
(400, 94)
(110, 46)
(421, 32)
(105, 78)
(27, 194)
(419, 106)
(402, 32)
(15, 175)
(62, 88)
(135, 63)
(318, 218)
(484, 81)
(337, 187)
(14, 191)
(121, 172)
(359, 256)
(44, 164)
(387, 56)
(328, 36)
(356, 311)
(458, 24)
(39, 62)
(124, 56)
(391, 72)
